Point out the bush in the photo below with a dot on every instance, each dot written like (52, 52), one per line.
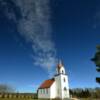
(1, 95)
(14, 96)
(10, 95)
(6, 95)
(35, 96)
(57, 98)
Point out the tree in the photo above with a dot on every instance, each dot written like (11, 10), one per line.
(5, 88)
(97, 90)
(96, 60)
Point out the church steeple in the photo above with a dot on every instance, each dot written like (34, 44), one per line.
(61, 79)
(60, 68)
(60, 64)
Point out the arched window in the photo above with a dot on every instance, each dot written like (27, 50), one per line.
(41, 91)
(44, 91)
(47, 91)
(62, 72)
(65, 89)
(64, 80)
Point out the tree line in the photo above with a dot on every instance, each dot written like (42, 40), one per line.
(85, 93)
(6, 91)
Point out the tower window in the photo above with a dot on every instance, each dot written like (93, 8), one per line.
(64, 80)
(65, 89)
(62, 71)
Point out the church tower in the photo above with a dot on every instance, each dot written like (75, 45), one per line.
(61, 78)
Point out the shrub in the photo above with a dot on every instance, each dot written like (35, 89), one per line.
(1, 95)
(35, 96)
(57, 98)
(6, 95)
(10, 95)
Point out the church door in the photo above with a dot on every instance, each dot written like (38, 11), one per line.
(65, 92)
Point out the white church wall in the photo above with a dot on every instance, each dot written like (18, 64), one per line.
(58, 86)
(53, 90)
(62, 70)
(64, 84)
(61, 85)
(44, 93)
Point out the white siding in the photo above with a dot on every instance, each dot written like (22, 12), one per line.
(53, 90)
(60, 84)
(62, 70)
(51, 93)
(65, 94)
(44, 93)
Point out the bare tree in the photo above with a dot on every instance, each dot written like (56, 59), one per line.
(6, 88)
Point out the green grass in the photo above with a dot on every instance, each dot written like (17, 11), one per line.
(15, 99)
(89, 99)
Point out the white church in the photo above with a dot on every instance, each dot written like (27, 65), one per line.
(57, 87)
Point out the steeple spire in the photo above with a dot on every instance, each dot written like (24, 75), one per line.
(60, 68)
(60, 64)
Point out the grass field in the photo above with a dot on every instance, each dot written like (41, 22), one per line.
(17, 99)
(27, 99)
(38, 99)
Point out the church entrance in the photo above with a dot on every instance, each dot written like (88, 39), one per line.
(65, 92)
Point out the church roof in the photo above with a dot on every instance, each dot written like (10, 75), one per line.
(47, 84)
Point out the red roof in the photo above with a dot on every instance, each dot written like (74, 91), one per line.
(46, 84)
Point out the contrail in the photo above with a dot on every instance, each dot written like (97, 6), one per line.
(35, 26)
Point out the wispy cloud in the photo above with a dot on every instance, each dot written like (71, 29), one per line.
(96, 16)
(96, 19)
(35, 26)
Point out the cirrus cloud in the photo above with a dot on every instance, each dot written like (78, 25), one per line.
(35, 26)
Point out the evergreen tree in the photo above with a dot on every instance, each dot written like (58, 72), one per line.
(96, 60)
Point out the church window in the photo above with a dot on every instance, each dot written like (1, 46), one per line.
(44, 91)
(62, 72)
(47, 91)
(64, 80)
(65, 89)
(40, 91)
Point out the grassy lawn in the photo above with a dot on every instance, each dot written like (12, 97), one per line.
(89, 99)
(17, 99)
(37, 99)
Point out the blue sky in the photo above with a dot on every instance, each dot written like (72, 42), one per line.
(71, 29)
